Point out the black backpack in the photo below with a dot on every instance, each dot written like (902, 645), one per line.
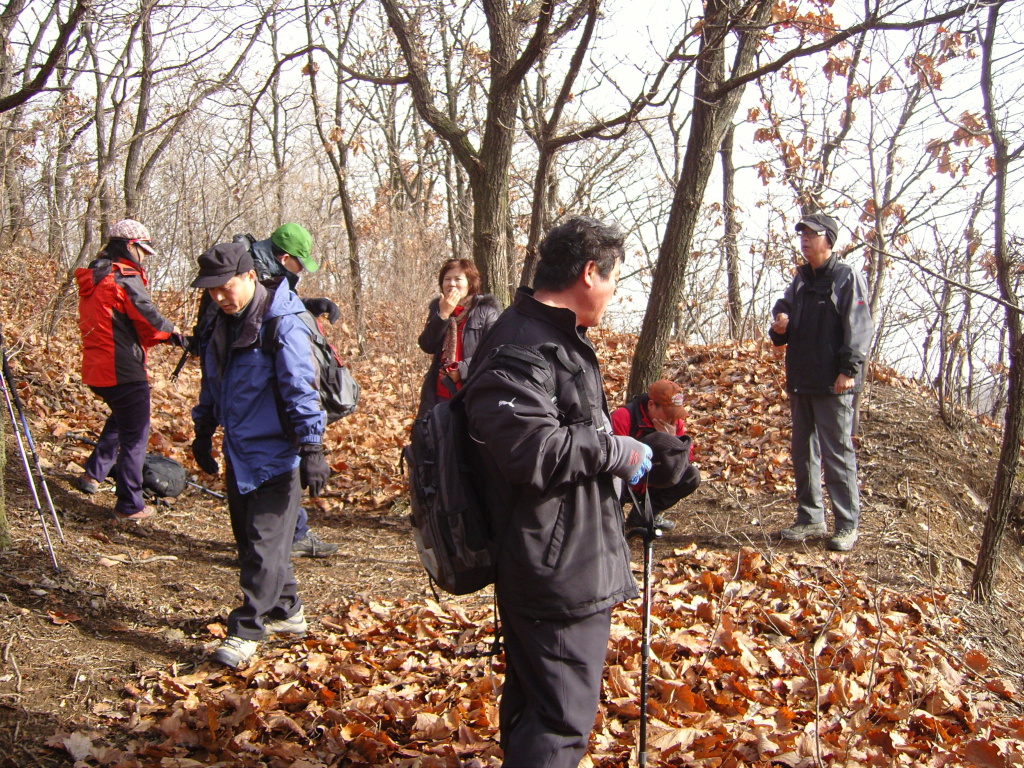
(339, 392)
(163, 476)
(450, 524)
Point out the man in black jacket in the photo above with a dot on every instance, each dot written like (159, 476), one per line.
(825, 322)
(552, 470)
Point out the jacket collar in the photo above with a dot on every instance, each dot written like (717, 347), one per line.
(560, 317)
(826, 269)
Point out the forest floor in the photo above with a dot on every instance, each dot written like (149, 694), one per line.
(105, 661)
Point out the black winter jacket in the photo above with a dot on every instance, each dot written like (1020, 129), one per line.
(829, 329)
(549, 477)
(483, 311)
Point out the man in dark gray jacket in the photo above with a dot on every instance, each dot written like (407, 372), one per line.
(825, 322)
(551, 474)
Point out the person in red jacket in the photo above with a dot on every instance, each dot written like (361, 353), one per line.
(656, 419)
(119, 323)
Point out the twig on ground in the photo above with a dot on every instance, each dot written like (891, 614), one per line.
(131, 560)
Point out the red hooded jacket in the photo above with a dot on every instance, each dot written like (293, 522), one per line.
(118, 322)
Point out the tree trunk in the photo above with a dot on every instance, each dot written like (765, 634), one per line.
(710, 120)
(1000, 504)
(133, 160)
(540, 216)
(488, 167)
(732, 230)
(337, 153)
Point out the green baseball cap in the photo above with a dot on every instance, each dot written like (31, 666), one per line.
(294, 240)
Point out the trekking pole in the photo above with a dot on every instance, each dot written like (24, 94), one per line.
(649, 532)
(9, 377)
(28, 471)
(178, 368)
(204, 489)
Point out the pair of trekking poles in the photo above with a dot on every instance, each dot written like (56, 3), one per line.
(647, 532)
(23, 434)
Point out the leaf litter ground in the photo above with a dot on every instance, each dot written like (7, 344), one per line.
(763, 653)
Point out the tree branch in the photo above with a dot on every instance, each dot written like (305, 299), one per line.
(38, 83)
(872, 22)
(419, 85)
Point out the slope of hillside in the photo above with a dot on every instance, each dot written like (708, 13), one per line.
(765, 652)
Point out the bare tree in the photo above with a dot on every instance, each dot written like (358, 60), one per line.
(33, 84)
(1006, 266)
(487, 165)
(716, 98)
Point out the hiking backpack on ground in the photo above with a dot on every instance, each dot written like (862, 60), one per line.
(339, 392)
(450, 524)
(163, 475)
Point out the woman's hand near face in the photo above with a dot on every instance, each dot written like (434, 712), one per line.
(449, 301)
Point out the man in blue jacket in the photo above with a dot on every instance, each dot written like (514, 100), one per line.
(273, 438)
(281, 258)
(825, 322)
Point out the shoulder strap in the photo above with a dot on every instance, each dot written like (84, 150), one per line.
(268, 334)
(633, 406)
(576, 370)
(537, 357)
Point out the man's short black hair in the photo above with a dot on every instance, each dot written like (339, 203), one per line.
(567, 248)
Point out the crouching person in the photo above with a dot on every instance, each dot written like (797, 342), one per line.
(656, 418)
(273, 438)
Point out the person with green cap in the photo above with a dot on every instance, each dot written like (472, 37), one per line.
(284, 256)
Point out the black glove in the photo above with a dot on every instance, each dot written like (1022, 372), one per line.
(323, 306)
(177, 340)
(201, 452)
(313, 469)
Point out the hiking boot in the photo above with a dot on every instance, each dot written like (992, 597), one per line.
(312, 545)
(663, 523)
(800, 532)
(143, 514)
(635, 520)
(234, 651)
(843, 540)
(293, 625)
(87, 485)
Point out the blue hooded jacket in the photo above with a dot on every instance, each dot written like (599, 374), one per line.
(238, 389)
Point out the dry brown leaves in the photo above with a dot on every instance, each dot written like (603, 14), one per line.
(737, 406)
(788, 662)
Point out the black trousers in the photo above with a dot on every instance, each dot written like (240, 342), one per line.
(665, 498)
(122, 443)
(552, 687)
(263, 522)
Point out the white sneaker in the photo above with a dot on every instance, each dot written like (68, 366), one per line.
(234, 651)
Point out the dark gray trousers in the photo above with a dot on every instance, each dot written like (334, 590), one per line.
(823, 437)
(552, 687)
(263, 522)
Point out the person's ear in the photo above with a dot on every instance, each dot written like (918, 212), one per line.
(590, 273)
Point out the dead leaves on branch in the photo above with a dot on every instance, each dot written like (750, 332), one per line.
(785, 661)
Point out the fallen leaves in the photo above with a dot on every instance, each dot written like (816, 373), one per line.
(59, 617)
(753, 660)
